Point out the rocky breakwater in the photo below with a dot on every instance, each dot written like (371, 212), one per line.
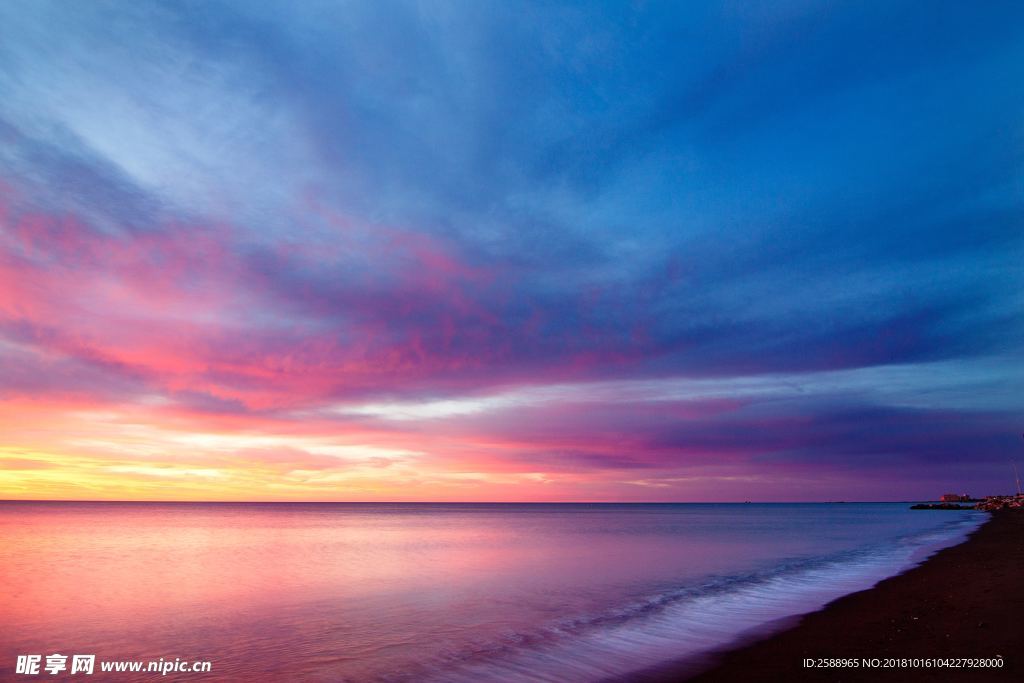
(992, 503)
(941, 506)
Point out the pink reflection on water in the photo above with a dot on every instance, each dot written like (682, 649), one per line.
(335, 592)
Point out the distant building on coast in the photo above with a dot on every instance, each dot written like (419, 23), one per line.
(954, 498)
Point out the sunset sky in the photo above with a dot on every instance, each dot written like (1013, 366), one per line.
(510, 251)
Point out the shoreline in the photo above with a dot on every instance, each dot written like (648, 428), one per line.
(965, 601)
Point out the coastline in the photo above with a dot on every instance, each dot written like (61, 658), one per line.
(964, 601)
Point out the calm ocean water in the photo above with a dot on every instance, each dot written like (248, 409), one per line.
(423, 592)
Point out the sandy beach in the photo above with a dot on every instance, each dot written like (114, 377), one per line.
(966, 601)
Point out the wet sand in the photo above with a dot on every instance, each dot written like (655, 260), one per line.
(966, 601)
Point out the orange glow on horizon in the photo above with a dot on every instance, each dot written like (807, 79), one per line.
(69, 451)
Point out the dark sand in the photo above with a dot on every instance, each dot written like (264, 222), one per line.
(965, 601)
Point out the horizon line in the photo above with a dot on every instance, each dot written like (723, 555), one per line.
(457, 502)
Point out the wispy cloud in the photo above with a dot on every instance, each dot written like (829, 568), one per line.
(471, 251)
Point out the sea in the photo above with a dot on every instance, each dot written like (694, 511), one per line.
(430, 592)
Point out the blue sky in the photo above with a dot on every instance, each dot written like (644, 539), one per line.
(539, 250)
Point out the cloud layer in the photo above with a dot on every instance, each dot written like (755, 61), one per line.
(578, 252)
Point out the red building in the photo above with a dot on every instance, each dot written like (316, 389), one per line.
(954, 498)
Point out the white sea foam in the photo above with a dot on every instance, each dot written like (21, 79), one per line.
(698, 619)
